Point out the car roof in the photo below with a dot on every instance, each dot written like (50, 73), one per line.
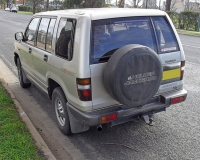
(104, 13)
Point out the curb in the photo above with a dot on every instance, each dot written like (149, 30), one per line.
(40, 143)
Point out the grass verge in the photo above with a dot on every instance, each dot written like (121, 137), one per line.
(22, 12)
(192, 33)
(15, 139)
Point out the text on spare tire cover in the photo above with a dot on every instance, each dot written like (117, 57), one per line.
(141, 78)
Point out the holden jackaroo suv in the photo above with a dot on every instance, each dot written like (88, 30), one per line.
(102, 65)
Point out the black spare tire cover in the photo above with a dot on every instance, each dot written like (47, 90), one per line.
(133, 74)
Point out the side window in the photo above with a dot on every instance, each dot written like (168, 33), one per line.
(50, 35)
(166, 39)
(65, 38)
(42, 31)
(30, 31)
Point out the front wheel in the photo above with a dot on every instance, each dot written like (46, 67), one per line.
(20, 75)
(59, 103)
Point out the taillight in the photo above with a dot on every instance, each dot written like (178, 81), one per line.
(84, 89)
(177, 99)
(108, 118)
(182, 69)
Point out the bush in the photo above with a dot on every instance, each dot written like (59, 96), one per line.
(174, 17)
(25, 8)
(190, 20)
(187, 20)
(30, 9)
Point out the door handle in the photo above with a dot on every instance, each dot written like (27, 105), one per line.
(30, 50)
(45, 58)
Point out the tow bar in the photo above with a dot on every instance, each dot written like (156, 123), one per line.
(148, 119)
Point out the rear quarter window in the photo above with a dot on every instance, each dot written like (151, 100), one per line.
(166, 38)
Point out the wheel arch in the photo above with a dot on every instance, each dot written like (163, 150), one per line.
(52, 84)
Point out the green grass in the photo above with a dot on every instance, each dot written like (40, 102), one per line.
(15, 140)
(193, 33)
(22, 12)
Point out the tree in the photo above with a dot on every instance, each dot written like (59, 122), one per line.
(2, 1)
(135, 3)
(92, 3)
(173, 5)
(107, 1)
(83, 3)
(168, 5)
(47, 5)
(72, 3)
(35, 4)
(121, 3)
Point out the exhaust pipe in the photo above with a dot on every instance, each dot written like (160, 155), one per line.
(99, 127)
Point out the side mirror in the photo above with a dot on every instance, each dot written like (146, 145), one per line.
(19, 36)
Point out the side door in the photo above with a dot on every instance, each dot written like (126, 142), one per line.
(42, 51)
(27, 47)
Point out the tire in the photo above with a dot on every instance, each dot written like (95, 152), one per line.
(133, 75)
(20, 75)
(59, 103)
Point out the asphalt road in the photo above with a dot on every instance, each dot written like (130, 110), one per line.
(174, 136)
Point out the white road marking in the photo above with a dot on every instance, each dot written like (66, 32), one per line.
(190, 46)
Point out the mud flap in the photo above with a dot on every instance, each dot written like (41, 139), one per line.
(76, 127)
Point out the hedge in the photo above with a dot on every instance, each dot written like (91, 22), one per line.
(187, 20)
(29, 8)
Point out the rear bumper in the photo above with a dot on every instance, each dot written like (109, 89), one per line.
(125, 113)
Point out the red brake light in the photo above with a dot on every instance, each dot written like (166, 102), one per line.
(84, 89)
(86, 93)
(177, 100)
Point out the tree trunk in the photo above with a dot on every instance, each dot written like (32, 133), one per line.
(47, 5)
(168, 5)
(103, 3)
(121, 4)
(34, 8)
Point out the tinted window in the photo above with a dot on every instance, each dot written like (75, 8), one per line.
(110, 34)
(166, 39)
(30, 31)
(42, 31)
(50, 35)
(65, 36)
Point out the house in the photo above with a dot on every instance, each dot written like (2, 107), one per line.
(20, 2)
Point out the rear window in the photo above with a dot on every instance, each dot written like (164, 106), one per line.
(111, 34)
(108, 35)
(166, 39)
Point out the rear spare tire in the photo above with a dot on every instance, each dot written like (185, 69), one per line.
(133, 74)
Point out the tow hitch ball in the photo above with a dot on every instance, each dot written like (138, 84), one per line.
(148, 119)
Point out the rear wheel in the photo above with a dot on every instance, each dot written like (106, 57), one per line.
(59, 103)
(20, 75)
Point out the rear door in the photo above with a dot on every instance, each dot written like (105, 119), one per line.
(42, 51)
(108, 36)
